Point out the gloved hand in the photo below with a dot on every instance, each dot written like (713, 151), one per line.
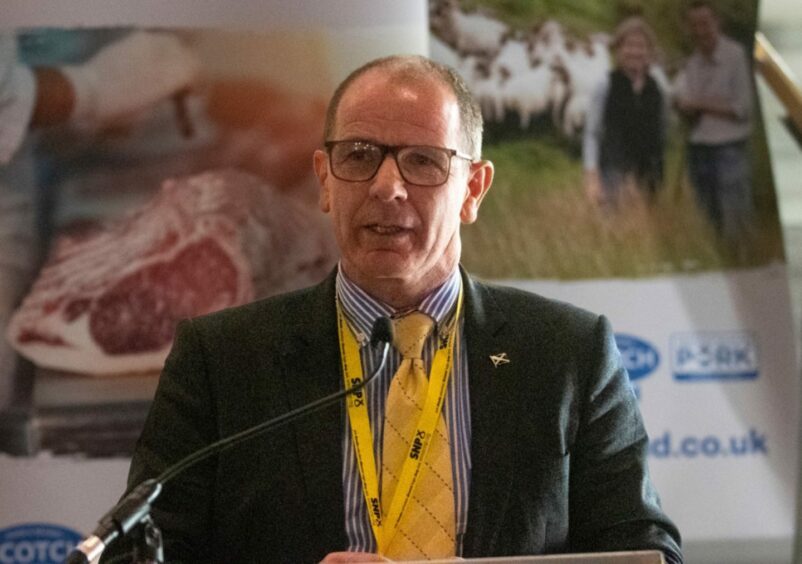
(129, 76)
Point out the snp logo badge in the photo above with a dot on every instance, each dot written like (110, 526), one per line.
(726, 355)
(640, 357)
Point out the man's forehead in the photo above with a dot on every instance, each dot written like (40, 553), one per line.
(403, 84)
(394, 97)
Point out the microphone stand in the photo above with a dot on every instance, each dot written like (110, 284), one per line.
(132, 514)
(148, 545)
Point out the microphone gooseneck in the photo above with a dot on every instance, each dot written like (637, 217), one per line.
(135, 506)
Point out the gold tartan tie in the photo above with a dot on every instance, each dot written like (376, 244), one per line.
(427, 526)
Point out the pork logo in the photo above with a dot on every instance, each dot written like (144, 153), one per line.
(639, 356)
(714, 355)
(37, 543)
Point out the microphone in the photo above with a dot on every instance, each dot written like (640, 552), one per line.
(134, 508)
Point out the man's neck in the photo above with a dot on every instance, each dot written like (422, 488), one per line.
(397, 293)
(709, 53)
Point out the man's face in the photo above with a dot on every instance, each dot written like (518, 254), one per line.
(704, 28)
(386, 228)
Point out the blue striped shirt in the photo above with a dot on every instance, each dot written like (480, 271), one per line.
(361, 310)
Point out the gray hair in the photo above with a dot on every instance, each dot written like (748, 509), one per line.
(418, 68)
(634, 24)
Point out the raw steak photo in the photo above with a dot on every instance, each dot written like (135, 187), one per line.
(109, 297)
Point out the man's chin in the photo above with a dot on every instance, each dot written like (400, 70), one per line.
(388, 269)
(380, 266)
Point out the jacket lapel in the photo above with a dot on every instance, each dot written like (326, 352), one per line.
(494, 413)
(311, 363)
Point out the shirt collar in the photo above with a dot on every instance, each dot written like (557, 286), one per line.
(362, 309)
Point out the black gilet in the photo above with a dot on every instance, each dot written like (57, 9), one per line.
(633, 138)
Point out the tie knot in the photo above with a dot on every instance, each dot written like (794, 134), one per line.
(410, 332)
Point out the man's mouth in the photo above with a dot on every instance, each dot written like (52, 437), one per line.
(386, 229)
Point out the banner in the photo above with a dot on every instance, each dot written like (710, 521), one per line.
(633, 179)
(195, 192)
(181, 184)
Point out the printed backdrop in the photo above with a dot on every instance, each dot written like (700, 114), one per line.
(703, 323)
(702, 317)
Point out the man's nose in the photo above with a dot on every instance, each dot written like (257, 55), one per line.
(388, 184)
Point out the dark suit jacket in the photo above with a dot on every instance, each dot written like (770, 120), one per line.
(558, 446)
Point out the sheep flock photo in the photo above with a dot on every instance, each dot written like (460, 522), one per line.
(534, 68)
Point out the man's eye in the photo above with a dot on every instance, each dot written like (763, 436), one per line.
(420, 159)
(358, 155)
(423, 160)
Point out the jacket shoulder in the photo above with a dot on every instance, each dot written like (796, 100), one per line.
(528, 308)
(271, 319)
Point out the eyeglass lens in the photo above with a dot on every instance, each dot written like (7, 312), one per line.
(358, 161)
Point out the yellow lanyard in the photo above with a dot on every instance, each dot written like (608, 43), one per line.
(362, 436)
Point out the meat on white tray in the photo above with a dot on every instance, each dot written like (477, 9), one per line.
(107, 301)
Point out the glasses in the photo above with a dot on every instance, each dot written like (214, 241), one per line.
(422, 165)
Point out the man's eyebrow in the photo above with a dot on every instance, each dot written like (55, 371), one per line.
(358, 140)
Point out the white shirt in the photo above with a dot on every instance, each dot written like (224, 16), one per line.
(725, 76)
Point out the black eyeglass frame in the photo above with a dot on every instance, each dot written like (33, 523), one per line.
(393, 150)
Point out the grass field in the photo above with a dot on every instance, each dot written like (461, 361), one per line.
(537, 223)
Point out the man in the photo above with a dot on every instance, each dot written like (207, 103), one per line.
(539, 446)
(714, 94)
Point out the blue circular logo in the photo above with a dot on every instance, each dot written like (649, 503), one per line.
(640, 357)
(37, 543)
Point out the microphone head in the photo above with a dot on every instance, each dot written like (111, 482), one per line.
(382, 331)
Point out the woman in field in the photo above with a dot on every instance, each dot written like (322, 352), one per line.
(625, 131)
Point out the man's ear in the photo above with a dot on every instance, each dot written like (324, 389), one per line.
(320, 162)
(480, 178)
